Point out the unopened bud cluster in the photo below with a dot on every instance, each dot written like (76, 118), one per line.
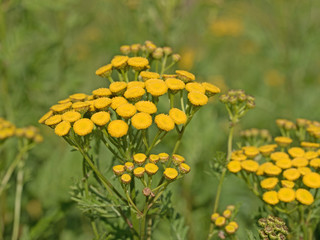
(255, 136)
(273, 228)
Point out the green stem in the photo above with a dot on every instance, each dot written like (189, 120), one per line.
(182, 101)
(153, 142)
(17, 205)
(163, 66)
(216, 203)
(95, 230)
(111, 189)
(132, 203)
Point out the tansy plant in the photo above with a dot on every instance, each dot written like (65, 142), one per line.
(285, 175)
(237, 104)
(27, 138)
(130, 116)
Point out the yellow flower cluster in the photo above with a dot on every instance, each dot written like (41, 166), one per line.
(141, 165)
(225, 222)
(285, 173)
(8, 129)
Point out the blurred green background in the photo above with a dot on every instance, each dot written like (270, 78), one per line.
(51, 49)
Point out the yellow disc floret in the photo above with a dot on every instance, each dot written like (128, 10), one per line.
(249, 165)
(101, 92)
(139, 158)
(234, 166)
(138, 63)
(119, 62)
(53, 120)
(125, 178)
(291, 174)
(134, 93)
(185, 75)
(211, 89)
(118, 88)
(104, 71)
(151, 168)
(117, 101)
(148, 75)
(174, 84)
(71, 116)
(269, 183)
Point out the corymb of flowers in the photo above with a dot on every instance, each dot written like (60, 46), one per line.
(138, 106)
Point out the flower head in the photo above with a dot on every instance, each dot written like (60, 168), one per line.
(194, 86)
(170, 173)
(154, 158)
(284, 163)
(269, 183)
(315, 163)
(272, 170)
(117, 101)
(151, 168)
(312, 180)
(304, 196)
(210, 89)
(78, 97)
(174, 84)
(118, 169)
(287, 183)
(118, 88)
(291, 174)
(278, 155)
(230, 229)
(197, 98)
(101, 92)
(53, 120)
(146, 106)
(83, 126)
(163, 157)
(102, 103)
(184, 168)
(138, 63)
(220, 221)
(118, 128)
(129, 166)
(60, 108)
(62, 128)
(296, 152)
(270, 197)
(139, 172)
(299, 162)
(250, 165)
(139, 158)
(45, 116)
(286, 195)
(104, 71)
(185, 76)
(126, 110)
(134, 93)
(178, 116)
(156, 87)
(81, 107)
(119, 62)
(133, 84)
(125, 178)
(100, 118)
(283, 141)
(141, 120)
(251, 151)
(71, 116)
(234, 166)
(178, 159)
(164, 122)
(149, 75)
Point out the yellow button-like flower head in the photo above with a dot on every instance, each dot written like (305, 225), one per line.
(234, 166)
(62, 128)
(100, 118)
(269, 183)
(83, 126)
(45, 117)
(141, 120)
(119, 62)
(164, 122)
(278, 155)
(283, 141)
(126, 110)
(249, 165)
(126, 178)
(286, 195)
(153, 158)
(185, 76)
(117, 101)
(104, 71)
(60, 108)
(312, 180)
(146, 106)
(118, 88)
(296, 152)
(299, 162)
(118, 128)
(291, 174)
(53, 120)
(101, 92)
(272, 170)
(139, 158)
(170, 173)
(284, 163)
(151, 168)
(134, 93)
(149, 75)
(71, 116)
(197, 98)
(178, 116)
(220, 221)
(304, 196)
(163, 157)
(211, 89)
(174, 84)
(78, 97)
(184, 168)
(156, 87)
(139, 172)
(270, 197)
(118, 170)
(138, 63)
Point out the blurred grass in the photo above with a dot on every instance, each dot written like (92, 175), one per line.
(51, 50)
